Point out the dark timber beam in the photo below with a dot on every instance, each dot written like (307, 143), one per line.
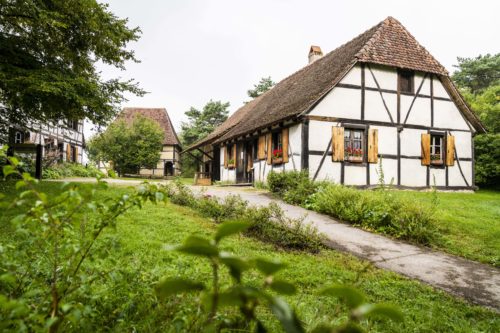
(207, 155)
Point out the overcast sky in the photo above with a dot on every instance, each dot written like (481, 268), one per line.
(194, 51)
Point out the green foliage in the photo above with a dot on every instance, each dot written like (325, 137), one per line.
(479, 81)
(44, 276)
(198, 126)
(264, 85)
(268, 224)
(48, 53)
(295, 187)
(247, 299)
(477, 73)
(377, 210)
(66, 170)
(128, 146)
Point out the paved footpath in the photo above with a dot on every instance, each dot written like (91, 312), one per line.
(476, 282)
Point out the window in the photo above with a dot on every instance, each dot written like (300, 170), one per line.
(406, 80)
(230, 155)
(277, 151)
(19, 137)
(255, 148)
(437, 149)
(72, 124)
(353, 145)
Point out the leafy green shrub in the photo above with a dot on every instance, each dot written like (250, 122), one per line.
(65, 170)
(247, 301)
(231, 207)
(295, 187)
(270, 224)
(380, 211)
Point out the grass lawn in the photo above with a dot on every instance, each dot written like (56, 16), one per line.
(469, 223)
(125, 301)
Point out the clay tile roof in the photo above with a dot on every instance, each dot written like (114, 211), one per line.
(159, 115)
(387, 43)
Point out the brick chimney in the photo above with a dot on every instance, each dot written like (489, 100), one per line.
(315, 53)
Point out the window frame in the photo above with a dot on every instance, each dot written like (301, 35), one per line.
(438, 163)
(277, 144)
(230, 155)
(20, 139)
(410, 77)
(364, 143)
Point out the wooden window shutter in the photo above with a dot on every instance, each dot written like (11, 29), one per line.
(225, 156)
(373, 145)
(269, 148)
(249, 161)
(450, 150)
(68, 152)
(284, 144)
(426, 149)
(261, 151)
(75, 158)
(234, 155)
(337, 144)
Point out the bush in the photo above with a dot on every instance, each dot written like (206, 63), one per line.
(65, 170)
(380, 211)
(268, 224)
(295, 187)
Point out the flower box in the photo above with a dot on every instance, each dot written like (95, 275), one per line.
(231, 164)
(436, 159)
(277, 160)
(355, 159)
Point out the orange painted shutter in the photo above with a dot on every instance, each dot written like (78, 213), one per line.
(426, 149)
(261, 148)
(234, 156)
(284, 140)
(269, 148)
(450, 150)
(373, 145)
(249, 161)
(76, 154)
(337, 144)
(225, 156)
(68, 152)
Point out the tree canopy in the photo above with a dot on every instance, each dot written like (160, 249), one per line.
(479, 82)
(128, 146)
(264, 85)
(201, 123)
(477, 74)
(48, 56)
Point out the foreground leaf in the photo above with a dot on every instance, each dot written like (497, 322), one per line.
(379, 310)
(350, 295)
(230, 228)
(172, 286)
(198, 246)
(286, 315)
(268, 267)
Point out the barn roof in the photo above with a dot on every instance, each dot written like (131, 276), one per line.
(387, 43)
(159, 115)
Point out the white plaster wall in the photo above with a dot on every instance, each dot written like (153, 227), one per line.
(426, 87)
(340, 102)
(375, 109)
(386, 77)
(455, 177)
(294, 147)
(440, 176)
(354, 175)
(413, 173)
(411, 141)
(447, 115)
(320, 133)
(353, 76)
(390, 169)
(330, 171)
(439, 90)
(463, 144)
(420, 113)
(387, 140)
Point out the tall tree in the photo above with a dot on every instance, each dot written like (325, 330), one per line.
(128, 146)
(199, 125)
(264, 85)
(479, 82)
(48, 53)
(478, 73)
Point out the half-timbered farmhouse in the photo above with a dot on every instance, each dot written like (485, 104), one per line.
(379, 102)
(169, 164)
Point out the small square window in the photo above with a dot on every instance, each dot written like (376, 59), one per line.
(354, 145)
(19, 137)
(406, 81)
(437, 149)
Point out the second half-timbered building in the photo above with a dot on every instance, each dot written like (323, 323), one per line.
(380, 102)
